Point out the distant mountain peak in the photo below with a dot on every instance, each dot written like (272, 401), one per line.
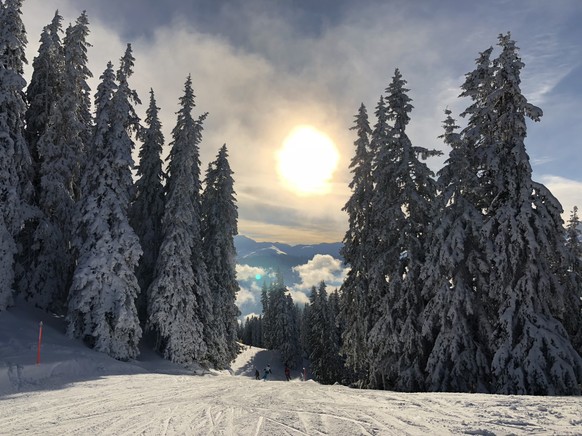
(248, 248)
(265, 251)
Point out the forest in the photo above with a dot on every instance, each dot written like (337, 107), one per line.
(118, 258)
(463, 281)
(466, 280)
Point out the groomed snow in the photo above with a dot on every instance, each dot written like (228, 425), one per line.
(77, 391)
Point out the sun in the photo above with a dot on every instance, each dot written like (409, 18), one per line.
(307, 161)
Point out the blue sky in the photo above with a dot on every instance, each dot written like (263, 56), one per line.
(262, 67)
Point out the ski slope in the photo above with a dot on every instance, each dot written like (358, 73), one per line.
(75, 391)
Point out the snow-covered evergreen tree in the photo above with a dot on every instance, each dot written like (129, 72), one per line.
(280, 322)
(7, 252)
(102, 308)
(268, 314)
(454, 277)
(251, 331)
(219, 226)
(574, 242)
(42, 94)
(317, 332)
(13, 42)
(402, 213)
(61, 151)
(573, 322)
(305, 330)
(285, 327)
(523, 237)
(386, 219)
(355, 300)
(336, 365)
(477, 87)
(15, 162)
(147, 208)
(179, 292)
(46, 83)
(325, 359)
(78, 74)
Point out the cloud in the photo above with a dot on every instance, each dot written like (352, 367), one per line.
(259, 73)
(299, 297)
(245, 296)
(569, 192)
(247, 272)
(251, 315)
(322, 267)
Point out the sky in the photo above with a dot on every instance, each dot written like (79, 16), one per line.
(261, 68)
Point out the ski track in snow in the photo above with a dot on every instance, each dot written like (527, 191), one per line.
(76, 391)
(159, 404)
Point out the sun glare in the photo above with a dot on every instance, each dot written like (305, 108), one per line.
(307, 161)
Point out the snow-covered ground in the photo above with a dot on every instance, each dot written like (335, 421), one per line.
(77, 391)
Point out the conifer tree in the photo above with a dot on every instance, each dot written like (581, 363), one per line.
(317, 332)
(61, 151)
(78, 74)
(402, 217)
(147, 207)
(252, 331)
(305, 330)
(46, 84)
(455, 324)
(258, 332)
(15, 162)
(355, 301)
(336, 364)
(280, 326)
(219, 226)
(13, 43)
(43, 92)
(268, 313)
(523, 237)
(286, 331)
(386, 219)
(574, 243)
(102, 308)
(326, 362)
(7, 252)
(574, 280)
(179, 292)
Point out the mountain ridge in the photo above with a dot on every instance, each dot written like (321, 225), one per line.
(246, 246)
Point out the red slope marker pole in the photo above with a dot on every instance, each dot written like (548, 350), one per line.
(39, 342)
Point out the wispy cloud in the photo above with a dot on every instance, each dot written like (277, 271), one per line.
(260, 73)
(569, 192)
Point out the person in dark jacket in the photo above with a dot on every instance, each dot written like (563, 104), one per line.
(267, 372)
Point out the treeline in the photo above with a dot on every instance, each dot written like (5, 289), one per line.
(464, 282)
(312, 331)
(79, 237)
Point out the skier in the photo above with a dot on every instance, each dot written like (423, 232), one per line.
(267, 372)
(257, 375)
(287, 373)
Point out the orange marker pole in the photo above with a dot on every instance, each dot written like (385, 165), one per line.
(39, 342)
